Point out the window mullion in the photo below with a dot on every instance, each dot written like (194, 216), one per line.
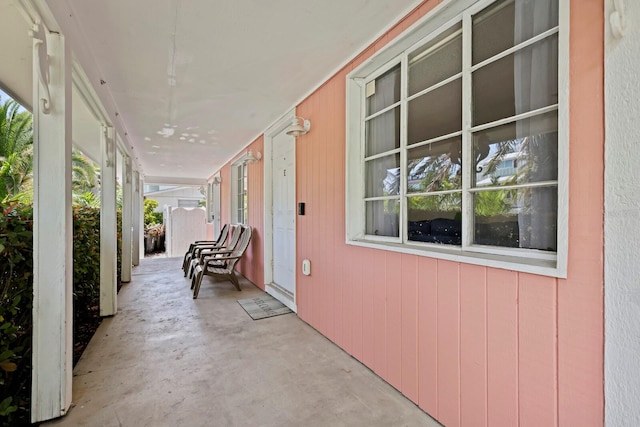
(467, 141)
(404, 88)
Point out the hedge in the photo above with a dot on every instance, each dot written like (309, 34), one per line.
(16, 286)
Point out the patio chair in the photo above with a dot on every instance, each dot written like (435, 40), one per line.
(199, 244)
(204, 252)
(223, 266)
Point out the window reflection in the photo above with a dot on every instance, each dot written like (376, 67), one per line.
(522, 152)
(435, 166)
(517, 218)
(383, 176)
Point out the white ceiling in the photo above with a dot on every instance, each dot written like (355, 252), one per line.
(195, 81)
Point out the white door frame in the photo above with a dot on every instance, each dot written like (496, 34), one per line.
(276, 129)
(213, 212)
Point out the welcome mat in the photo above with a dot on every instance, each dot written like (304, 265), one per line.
(263, 306)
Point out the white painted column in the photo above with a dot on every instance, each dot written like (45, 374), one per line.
(141, 234)
(108, 225)
(622, 210)
(136, 213)
(52, 230)
(127, 217)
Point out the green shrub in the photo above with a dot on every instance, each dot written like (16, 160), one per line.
(150, 217)
(16, 286)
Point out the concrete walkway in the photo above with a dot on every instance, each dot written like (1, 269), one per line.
(168, 360)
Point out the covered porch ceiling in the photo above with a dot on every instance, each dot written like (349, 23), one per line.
(189, 83)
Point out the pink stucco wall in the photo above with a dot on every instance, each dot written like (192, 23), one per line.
(470, 345)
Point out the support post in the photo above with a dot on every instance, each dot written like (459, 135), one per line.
(52, 355)
(127, 217)
(141, 234)
(137, 209)
(108, 224)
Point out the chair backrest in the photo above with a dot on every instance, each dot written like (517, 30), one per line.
(222, 237)
(236, 233)
(241, 247)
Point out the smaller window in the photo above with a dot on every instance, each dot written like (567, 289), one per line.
(188, 203)
(210, 214)
(239, 190)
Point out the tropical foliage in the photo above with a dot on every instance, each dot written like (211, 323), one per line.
(150, 217)
(16, 161)
(16, 148)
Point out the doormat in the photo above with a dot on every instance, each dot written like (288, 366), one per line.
(263, 306)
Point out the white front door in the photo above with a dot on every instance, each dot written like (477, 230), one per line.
(284, 218)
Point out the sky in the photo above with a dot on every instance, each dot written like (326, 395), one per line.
(4, 97)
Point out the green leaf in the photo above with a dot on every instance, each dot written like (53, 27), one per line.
(6, 408)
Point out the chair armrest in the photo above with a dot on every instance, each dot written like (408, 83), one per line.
(212, 254)
(209, 261)
(199, 248)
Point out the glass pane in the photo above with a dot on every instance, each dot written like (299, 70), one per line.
(383, 91)
(517, 83)
(523, 218)
(382, 218)
(517, 153)
(436, 113)
(436, 61)
(435, 166)
(382, 133)
(435, 219)
(508, 23)
(382, 176)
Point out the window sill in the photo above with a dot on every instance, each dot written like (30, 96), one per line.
(513, 263)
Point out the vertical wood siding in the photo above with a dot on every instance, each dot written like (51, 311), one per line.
(470, 345)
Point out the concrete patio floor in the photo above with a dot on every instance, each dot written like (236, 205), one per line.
(168, 360)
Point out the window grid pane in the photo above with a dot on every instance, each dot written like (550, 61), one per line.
(528, 80)
(383, 91)
(382, 133)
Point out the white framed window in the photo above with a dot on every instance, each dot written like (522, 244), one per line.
(210, 214)
(188, 203)
(239, 208)
(457, 137)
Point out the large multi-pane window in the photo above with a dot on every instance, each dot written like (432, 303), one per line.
(458, 145)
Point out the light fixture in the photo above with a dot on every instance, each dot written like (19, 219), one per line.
(250, 157)
(299, 126)
(217, 180)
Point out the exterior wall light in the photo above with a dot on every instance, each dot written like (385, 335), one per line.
(250, 157)
(299, 126)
